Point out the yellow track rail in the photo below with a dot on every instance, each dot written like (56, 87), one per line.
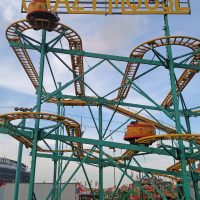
(134, 115)
(127, 154)
(186, 137)
(75, 43)
(142, 49)
(71, 126)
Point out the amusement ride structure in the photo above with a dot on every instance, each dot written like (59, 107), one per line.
(142, 131)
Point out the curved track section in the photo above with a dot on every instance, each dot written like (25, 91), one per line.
(186, 137)
(141, 118)
(125, 112)
(75, 43)
(72, 127)
(140, 51)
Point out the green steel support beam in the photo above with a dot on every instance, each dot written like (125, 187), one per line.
(101, 191)
(56, 92)
(59, 177)
(19, 162)
(18, 171)
(109, 135)
(192, 166)
(107, 164)
(141, 148)
(152, 183)
(101, 100)
(37, 121)
(127, 175)
(186, 185)
(88, 182)
(104, 56)
(113, 114)
(64, 138)
(55, 161)
(73, 174)
(140, 91)
(119, 183)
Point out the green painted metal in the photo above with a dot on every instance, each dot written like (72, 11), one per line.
(122, 176)
(75, 171)
(101, 191)
(104, 161)
(70, 82)
(128, 176)
(59, 178)
(107, 164)
(105, 56)
(141, 148)
(37, 121)
(56, 149)
(18, 171)
(171, 64)
(152, 183)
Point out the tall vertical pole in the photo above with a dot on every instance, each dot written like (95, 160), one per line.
(56, 153)
(18, 171)
(193, 167)
(19, 163)
(186, 182)
(101, 191)
(37, 121)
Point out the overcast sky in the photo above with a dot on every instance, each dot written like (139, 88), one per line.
(117, 35)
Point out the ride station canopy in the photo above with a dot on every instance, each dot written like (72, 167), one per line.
(123, 7)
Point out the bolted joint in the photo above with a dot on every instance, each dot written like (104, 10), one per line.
(39, 134)
(167, 63)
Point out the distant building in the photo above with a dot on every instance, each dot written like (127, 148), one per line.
(8, 170)
(41, 190)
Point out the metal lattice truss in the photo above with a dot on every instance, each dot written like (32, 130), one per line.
(96, 156)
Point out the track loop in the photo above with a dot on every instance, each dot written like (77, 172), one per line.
(142, 49)
(71, 126)
(72, 37)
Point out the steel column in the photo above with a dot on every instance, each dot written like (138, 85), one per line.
(37, 121)
(101, 191)
(186, 185)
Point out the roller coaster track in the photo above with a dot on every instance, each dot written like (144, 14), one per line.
(127, 154)
(71, 126)
(73, 129)
(185, 137)
(142, 49)
(75, 43)
(134, 115)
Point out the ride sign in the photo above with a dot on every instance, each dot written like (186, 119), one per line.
(124, 7)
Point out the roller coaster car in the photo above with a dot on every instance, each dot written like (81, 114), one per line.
(136, 130)
(39, 17)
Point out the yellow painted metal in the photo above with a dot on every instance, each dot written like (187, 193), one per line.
(138, 117)
(36, 6)
(168, 176)
(123, 111)
(115, 7)
(139, 130)
(141, 50)
(177, 166)
(67, 122)
(186, 137)
(72, 37)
